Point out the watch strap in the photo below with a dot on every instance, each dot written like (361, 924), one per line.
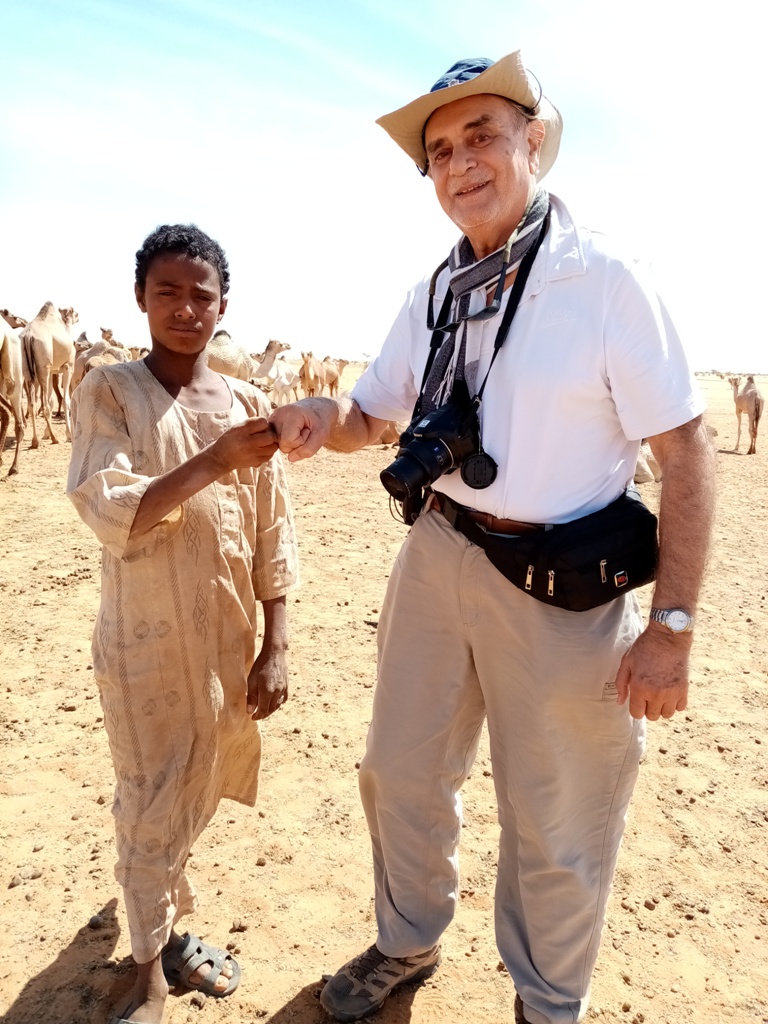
(661, 616)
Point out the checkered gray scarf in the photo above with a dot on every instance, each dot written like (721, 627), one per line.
(467, 276)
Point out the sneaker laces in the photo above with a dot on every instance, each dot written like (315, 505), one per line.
(368, 962)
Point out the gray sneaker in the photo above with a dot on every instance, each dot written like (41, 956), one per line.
(362, 985)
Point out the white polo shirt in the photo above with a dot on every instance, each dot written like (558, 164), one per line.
(591, 365)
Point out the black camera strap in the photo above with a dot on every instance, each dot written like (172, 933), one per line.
(437, 339)
(514, 300)
(439, 335)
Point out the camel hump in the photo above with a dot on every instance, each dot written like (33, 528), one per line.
(47, 310)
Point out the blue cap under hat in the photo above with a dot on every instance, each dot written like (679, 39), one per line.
(462, 71)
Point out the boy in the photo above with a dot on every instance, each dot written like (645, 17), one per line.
(174, 468)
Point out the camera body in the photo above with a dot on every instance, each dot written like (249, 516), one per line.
(435, 444)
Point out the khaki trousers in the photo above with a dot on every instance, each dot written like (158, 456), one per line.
(458, 643)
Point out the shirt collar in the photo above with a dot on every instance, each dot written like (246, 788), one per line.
(563, 253)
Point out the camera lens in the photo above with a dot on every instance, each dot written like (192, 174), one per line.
(421, 463)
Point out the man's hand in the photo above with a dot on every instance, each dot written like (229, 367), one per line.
(304, 427)
(654, 674)
(340, 424)
(247, 444)
(267, 684)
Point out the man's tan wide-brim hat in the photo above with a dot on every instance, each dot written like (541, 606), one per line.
(506, 77)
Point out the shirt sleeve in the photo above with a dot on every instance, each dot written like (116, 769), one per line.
(275, 557)
(388, 389)
(651, 381)
(275, 569)
(102, 483)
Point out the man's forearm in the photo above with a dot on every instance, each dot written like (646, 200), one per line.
(354, 429)
(685, 514)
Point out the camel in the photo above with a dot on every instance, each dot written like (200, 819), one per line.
(11, 383)
(6, 410)
(284, 381)
(81, 344)
(48, 348)
(130, 352)
(101, 353)
(56, 383)
(311, 375)
(266, 362)
(108, 358)
(12, 320)
(333, 371)
(225, 356)
(391, 433)
(647, 469)
(750, 401)
(228, 357)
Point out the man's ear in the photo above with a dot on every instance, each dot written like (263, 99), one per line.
(536, 133)
(139, 293)
(222, 309)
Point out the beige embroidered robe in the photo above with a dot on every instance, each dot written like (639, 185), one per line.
(175, 636)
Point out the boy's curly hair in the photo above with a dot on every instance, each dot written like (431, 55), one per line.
(188, 240)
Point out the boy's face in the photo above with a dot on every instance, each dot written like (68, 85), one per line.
(183, 303)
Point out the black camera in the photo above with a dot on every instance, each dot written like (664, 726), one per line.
(435, 444)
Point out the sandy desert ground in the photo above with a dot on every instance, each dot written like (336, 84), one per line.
(287, 884)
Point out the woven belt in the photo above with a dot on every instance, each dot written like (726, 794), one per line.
(454, 513)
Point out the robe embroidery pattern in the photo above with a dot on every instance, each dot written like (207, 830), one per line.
(175, 636)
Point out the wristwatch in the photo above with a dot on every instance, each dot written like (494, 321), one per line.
(675, 619)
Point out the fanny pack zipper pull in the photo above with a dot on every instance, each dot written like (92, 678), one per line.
(551, 584)
(529, 578)
(603, 577)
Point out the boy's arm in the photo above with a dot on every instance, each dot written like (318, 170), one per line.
(251, 443)
(268, 679)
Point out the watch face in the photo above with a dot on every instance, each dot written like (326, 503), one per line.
(678, 620)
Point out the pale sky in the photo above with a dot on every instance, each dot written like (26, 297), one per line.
(255, 120)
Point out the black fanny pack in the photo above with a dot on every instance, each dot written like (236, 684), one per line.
(581, 564)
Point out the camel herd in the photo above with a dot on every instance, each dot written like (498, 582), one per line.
(41, 357)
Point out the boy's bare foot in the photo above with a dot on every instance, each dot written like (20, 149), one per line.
(147, 999)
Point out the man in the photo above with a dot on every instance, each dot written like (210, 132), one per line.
(590, 366)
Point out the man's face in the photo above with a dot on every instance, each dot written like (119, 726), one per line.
(183, 303)
(483, 160)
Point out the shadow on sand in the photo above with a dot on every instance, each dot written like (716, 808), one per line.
(305, 1008)
(83, 984)
(79, 984)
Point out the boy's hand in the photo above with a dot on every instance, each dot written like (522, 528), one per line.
(246, 444)
(267, 684)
